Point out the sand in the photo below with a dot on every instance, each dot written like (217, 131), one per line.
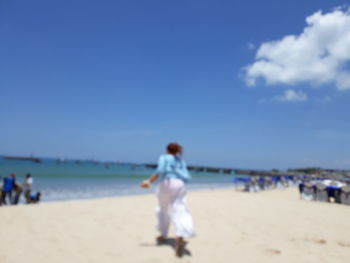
(271, 226)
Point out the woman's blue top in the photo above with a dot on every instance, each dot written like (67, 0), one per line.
(170, 166)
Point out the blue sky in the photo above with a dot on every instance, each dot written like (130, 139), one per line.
(118, 80)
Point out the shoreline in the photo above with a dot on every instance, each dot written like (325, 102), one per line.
(139, 192)
(269, 226)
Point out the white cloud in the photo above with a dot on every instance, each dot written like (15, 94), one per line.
(292, 96)
(317, 56)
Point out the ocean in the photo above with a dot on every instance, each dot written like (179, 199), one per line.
(72, 180)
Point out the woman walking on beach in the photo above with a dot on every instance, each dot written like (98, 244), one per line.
(171, 193)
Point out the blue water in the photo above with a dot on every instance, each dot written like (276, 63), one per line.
(70, 180)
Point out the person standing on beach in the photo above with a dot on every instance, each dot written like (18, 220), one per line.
(8, 187)
(28, 184)
(0, 190)
(171, 193)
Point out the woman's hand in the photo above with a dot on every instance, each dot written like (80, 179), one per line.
(146, 184)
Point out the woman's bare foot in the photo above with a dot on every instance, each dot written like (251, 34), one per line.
(160, 240)
(180, 247)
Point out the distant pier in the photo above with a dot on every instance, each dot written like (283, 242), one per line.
(247, 172)
(20, 158)
(201, 169)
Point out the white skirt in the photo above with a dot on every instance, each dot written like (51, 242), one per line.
(173, 208)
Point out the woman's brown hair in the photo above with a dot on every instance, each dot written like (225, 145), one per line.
(174, 148)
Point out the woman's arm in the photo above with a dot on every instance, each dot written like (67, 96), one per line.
(147, 183)
(160, 170)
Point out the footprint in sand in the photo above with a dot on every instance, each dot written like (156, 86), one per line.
(343, 244)
(273, 251)
(316, 240)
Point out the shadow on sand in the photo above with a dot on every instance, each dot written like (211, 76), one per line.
(171, 242)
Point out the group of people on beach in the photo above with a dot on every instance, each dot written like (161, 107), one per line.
(171, 193)
(11, 191)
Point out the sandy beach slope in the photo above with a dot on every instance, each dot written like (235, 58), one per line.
(271, 226)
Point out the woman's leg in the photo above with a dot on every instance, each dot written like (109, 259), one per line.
(163, 210)
(180, 214)
(181, 217)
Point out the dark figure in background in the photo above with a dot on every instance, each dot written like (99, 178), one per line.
(0, 190)
(18, 191)
(301, 189)
(8, 187)
(32, 197)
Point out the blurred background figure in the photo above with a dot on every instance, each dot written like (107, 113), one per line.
(32, 197)
(0, 190)
(7, 188)
(28, 184)
(17, 193)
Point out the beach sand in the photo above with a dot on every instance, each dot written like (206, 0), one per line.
(231, 226)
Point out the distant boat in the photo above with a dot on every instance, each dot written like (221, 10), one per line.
(20, 158)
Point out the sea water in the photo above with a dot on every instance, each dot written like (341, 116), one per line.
(71, 180)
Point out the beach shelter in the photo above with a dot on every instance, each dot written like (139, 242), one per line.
(345, 195)
(308, 192)
(321, 192)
